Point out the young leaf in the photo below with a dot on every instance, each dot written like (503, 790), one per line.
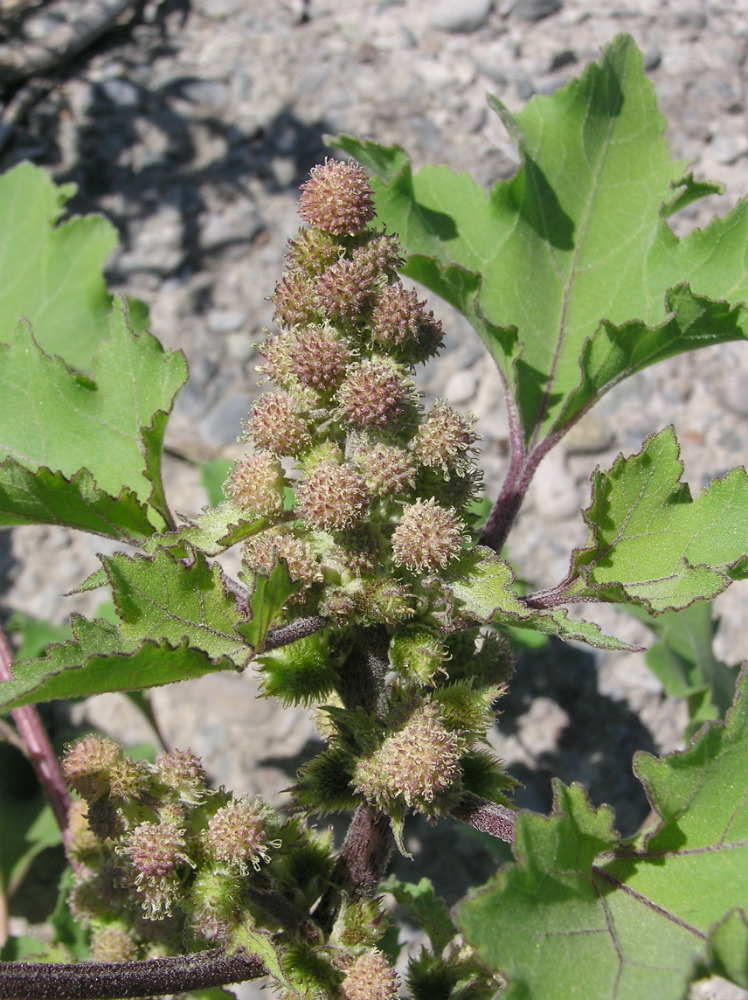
(216, 529)
(583, 914)
(649, 542)
(269, 593)
(96, 660)
(56, 282)
(573, 246)
(54, 419)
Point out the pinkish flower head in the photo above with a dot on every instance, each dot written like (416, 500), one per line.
(294, 300)
(427, 537)
(319, 357)
(373, 393)
(445, 439)
(414, 765)
(332, 497)
(275, 426)
(387, 469)
(87, 766)
(183, 772)
(155, 853)
(236, 835)
(256, 484)
(371, 977)
(399, 321)
(344, 290)
(337, 198)
(263, 551)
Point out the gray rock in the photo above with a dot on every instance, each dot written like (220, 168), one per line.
(535, 10)
(225, 320)
(728, 148)
(463, 17)
(223, 424)
(120, 92)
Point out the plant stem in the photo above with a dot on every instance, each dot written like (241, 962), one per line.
(488, 817)
(38, 747)
(298, 629)
(362, 677)
(108, 981)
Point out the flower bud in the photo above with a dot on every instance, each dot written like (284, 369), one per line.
(262, 552)
(413, 765)
(215, 899)
(337, 198)
(371, 977)
(399, 321)
(275, 426)
(427, 537)
(382, 253)
(332, 497)
(444, 439)
(182, 772)
(256, 484)
(113, 943)
(387, 469)
(344, 290)
(156, 852)
(236, 835)
(319, 358)
(294, 300)
(312, 252)
(87, 766)
(373, 392)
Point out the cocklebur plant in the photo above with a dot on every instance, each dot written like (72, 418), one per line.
(370, 592)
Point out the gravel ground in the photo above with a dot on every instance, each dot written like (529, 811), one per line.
(191, 127)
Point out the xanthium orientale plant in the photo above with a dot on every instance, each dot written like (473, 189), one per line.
(370, 590)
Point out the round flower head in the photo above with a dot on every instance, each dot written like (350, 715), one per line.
(276, 353)
(256, 484)
(373, 393)
(387, 469)
(427, 537)
(337, 198)
(399, 320)
(275, 426)
(112, 943)
(413, 765)
(312, 251)
(382, 253)
(263, 551)
(236, 835)
(371, 977)
(155, 852)
(343, 291)
(319, 358)
(183, 772)
(444, 439)
(294, 300)
(87, 766)
(332, 497)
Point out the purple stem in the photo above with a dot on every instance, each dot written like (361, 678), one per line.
(488, 817)
(38, 748)
(108, 981)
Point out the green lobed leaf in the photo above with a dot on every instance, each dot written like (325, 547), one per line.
(649, 542)
(479, 585)
(94, 662)
(567, 254)
(56, 282)
(162, 597)
(112, 428)
(582, 913)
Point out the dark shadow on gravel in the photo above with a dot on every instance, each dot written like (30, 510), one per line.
(140, 149)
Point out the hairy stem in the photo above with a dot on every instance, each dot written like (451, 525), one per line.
(38, 748)
(108, 981)
(298, 629)
(488, 817)
(362, 680)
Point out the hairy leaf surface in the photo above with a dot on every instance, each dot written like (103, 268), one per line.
(55, 281)
(583, 914)
(649, 542)
(56, 423)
